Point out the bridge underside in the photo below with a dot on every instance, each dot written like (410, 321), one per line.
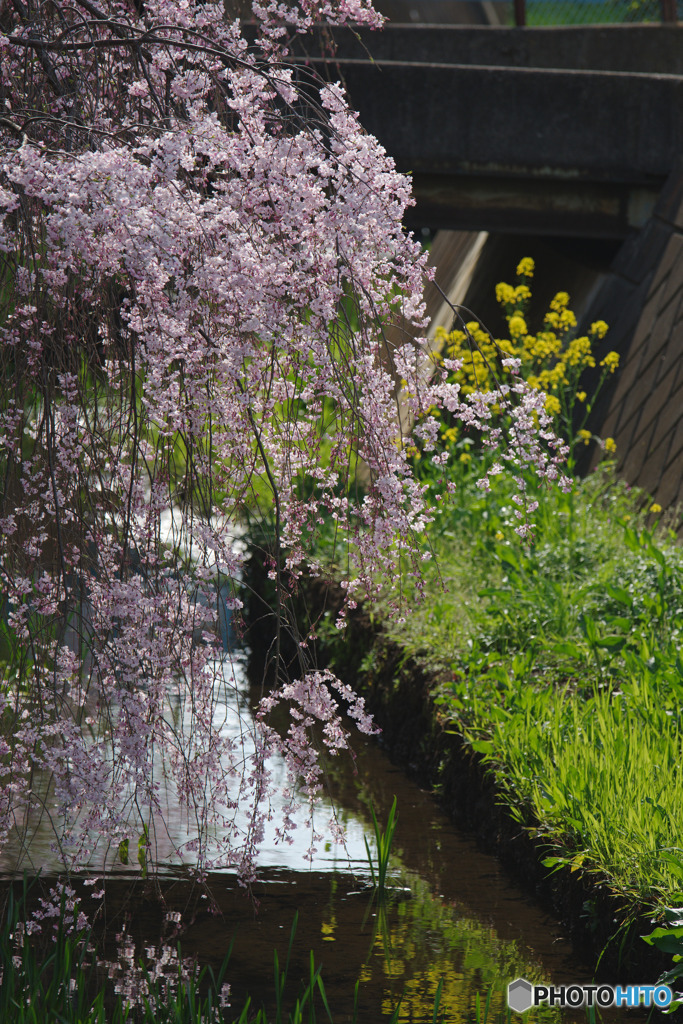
(536, 130)
(503, 149)
(525, 205)
(575, 133)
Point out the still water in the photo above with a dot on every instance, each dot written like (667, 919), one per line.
(453, 915)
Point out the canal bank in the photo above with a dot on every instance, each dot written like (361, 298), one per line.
(402, 692)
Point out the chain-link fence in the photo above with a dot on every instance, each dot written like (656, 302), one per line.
(594, 12)
(531, 12)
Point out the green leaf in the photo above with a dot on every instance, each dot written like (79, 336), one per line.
(669, 940)
(674, 916)
(620, 595)
(588, 628)
(612, 643)
(556, 863)
(567, 648)
(674, 864)
(631, 539)
(620, 622)
(483, 746)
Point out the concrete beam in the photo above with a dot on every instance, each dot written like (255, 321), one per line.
(643, 49)
(529, 206)
(596, 126)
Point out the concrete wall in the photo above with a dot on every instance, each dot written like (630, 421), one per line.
(556, 130)
(640, 49)
(642, 301)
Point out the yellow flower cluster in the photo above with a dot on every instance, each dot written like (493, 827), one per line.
(517, 325)
(506, 295)
(579, 353)
(552, 359)
(611, 360)
(478, 353)
(552, 405)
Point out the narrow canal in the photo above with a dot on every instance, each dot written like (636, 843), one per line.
(452, 914)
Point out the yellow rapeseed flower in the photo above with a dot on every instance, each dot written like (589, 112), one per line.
(655, 507)
(610, 445)
(517, 325)
(465, 457)
(552, 359)
(560, 302)
(579, 352)
(611, 361)
(499, 535)
(552, 379)
(552, 405)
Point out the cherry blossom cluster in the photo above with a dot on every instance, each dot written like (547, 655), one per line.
(203, 273)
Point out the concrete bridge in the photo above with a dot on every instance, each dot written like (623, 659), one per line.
(560, 131)
(567, 137)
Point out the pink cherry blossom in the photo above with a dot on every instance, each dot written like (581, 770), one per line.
(203, 258)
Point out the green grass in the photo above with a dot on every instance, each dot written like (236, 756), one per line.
(383, 840)
(559, 661)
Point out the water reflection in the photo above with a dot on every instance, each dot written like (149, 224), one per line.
(171, 826)
(454, 917)
(400, 952)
